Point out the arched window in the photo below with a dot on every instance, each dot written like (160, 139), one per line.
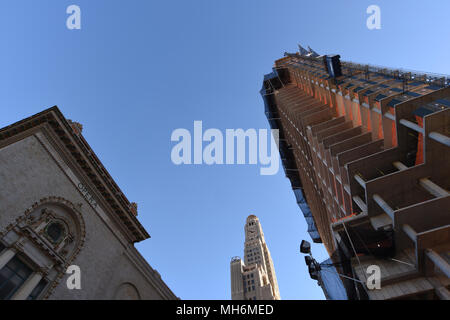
(127, 291)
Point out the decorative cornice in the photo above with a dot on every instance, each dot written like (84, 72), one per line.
(83, 156)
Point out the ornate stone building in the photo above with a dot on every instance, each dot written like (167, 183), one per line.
(254, 278)
(60, 207)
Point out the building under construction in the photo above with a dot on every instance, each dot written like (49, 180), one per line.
(367, 152)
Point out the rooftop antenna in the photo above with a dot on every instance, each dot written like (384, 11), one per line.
(312, 53)
(302, 50)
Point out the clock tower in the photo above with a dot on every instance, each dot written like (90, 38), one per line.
(254, 278)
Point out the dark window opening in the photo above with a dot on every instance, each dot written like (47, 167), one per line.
(412, 139)
(12, 277)
(55, 231)
(37, 290)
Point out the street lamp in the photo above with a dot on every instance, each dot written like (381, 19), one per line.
(313, 266)
(305, 247)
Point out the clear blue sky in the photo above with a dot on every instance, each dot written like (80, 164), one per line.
(138, 69)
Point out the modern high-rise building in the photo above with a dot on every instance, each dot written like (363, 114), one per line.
(254, 278)
(367, 152)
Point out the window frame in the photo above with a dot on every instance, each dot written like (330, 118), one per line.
(15, 272)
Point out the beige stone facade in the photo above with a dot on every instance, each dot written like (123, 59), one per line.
(254, 278)
(60, 207)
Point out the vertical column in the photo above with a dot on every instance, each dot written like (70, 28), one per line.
(25, 290)
(6, 256)
(389, 132)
